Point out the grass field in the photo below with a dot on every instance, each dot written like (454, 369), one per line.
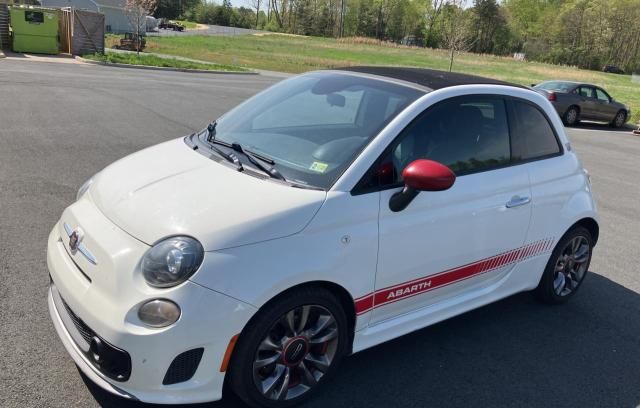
(298, 54)
(154, 61)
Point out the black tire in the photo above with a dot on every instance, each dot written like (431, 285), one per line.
(241, 374)
(572, 116)
(546, 291)
(619, 120)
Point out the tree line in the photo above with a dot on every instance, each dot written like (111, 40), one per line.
(584, 33)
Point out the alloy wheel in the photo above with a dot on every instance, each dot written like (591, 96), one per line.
(571, 266)
(296, 352)
(572, 116)
(620, 119)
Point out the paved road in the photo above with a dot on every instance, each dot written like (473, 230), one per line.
(60, 123)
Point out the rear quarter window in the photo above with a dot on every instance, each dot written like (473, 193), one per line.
(532, 136)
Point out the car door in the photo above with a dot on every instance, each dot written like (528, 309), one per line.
(604, 108)
(457, 241)
(554, 179)
(587, 103)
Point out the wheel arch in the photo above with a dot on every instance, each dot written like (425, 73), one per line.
(580, 209)
(591, 225)
(341, 293)
(573, 105)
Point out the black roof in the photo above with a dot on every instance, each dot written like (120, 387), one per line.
(429, 78)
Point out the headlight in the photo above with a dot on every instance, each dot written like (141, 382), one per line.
(171, 262)
(83, 189)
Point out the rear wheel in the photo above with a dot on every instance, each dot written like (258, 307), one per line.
(572, 116)
(289, 349)
(567, 267)
(619, 120)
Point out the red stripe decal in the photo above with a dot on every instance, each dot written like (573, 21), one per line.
(364, 304)
(529, 250)
(421, 285)
(535, 248)
(510, 257)
(514, 256)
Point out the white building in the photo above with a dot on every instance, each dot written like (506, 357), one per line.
(115, 16)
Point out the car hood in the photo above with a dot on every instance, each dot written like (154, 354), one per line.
(170, 189)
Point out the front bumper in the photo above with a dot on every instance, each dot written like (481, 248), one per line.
(209, 320)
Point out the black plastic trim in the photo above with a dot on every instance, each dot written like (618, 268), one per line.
(183, 367)
(116, 362)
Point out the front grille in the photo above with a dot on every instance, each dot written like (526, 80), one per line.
(183, 367)
(85, 331)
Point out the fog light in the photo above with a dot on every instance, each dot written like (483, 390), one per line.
(159, 313)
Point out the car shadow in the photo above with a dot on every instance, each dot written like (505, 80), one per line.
(513, 353)
(627, 128)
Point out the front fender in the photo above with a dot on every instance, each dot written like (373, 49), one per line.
(339, 246)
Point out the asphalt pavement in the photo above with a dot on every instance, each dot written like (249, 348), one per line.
(61, 123)
(214, 30)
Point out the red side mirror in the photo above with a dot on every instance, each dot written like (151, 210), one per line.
(428, 175)
(421, 175)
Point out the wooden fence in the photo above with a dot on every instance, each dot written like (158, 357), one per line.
(81, 31)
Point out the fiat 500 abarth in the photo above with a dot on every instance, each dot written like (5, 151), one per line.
(330, 213)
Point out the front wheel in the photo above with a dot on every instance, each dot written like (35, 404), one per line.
(567, 267)
(619, 120)
(289, 349)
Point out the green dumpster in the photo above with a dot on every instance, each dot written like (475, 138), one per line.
(34, 29)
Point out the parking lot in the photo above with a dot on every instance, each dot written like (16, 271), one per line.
(61, 123)
(210, 30)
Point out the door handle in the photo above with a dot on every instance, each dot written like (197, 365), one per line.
(517, 201)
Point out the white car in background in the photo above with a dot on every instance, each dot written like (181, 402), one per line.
(330, 213)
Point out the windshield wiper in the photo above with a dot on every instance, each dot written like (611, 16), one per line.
(255, 159)
(230, 157)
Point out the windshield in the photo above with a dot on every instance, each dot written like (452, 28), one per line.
(313, 126)
(556, 86)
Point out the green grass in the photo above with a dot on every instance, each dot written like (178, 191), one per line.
(189, 25)
(298, 54)
(154, 61)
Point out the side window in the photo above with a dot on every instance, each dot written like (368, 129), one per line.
(585, 92)
(467, 134)
(602, 95)
(531, 133)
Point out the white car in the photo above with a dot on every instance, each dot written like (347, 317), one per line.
(332, 212)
